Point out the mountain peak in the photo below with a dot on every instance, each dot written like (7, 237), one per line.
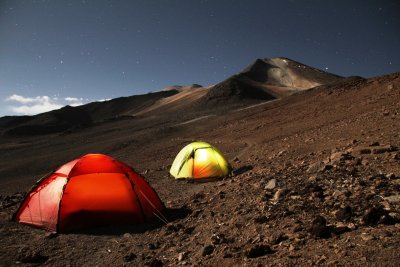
(285, 72)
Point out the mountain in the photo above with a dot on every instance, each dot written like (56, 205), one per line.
(68, 117)
(264, 80)
(270, 79)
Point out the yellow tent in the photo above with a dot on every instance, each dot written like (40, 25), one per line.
(199, 160)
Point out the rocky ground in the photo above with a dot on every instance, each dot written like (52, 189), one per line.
(316, 181)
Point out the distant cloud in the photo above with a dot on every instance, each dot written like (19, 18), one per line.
(102, 100)
(22, 105)
(24, 100)
(71, 99)
(74, 101)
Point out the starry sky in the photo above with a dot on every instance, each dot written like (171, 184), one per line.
(59, 52)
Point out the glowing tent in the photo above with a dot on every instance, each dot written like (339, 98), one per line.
(199, 160)
(94, 190)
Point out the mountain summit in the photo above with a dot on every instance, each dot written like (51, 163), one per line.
(270, 79)
(288, 73)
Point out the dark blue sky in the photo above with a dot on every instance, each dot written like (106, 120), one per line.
(59, 52)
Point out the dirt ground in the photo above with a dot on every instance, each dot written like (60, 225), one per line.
(316, 181)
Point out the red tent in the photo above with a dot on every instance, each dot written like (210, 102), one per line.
(94, 190)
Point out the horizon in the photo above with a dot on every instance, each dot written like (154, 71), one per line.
(117, 49)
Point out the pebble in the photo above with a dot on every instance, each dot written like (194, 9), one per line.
(271, 184)
(51, 235)
(261, 219)
(127, 235)
(155, 263)
(383, 149)
(316, 167)
(207, 250)
(279, 194)
(277, 237)
(367, 237)
(319, 229)
(218, 239)
(344, 214)
(373, 215)
(181, 256)
(393, 198)
(130, 257)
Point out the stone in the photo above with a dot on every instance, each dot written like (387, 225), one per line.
(319, 229)
(383, 149)
(279, 194)
(390, 176)
(271, 184)
(217, 239)
(127, 235)
(130, 257)
(393, 198)
(360, 150)
(316, 167)
(395, 216)
(261, 219)
(277, 237)
(338, 193)
(336, 157)
(207, 250)
(181, 256)
(321, 260)
(367, 237)
(344, 214)
(280, 153)
(153, 246)
(351, 226)
(373, 215)
(51, 235)
(155, 263)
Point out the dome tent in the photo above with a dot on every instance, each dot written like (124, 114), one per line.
(199, 160)
(91, 191)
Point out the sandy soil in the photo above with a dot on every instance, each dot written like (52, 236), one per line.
(316, 182)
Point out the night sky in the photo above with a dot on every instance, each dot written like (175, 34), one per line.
(54, 53)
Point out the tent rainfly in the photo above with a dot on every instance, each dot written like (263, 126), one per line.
(199, 160)
(91, 191)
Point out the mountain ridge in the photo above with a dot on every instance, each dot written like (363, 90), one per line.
(263, 80)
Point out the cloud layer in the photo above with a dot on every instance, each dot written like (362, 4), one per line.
(22, 105)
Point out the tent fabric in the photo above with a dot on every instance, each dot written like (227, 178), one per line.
(199, 160)
(94, 190)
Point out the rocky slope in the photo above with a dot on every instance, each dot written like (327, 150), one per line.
(316, 182)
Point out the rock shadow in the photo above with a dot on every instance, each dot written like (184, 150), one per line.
(242, 170)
